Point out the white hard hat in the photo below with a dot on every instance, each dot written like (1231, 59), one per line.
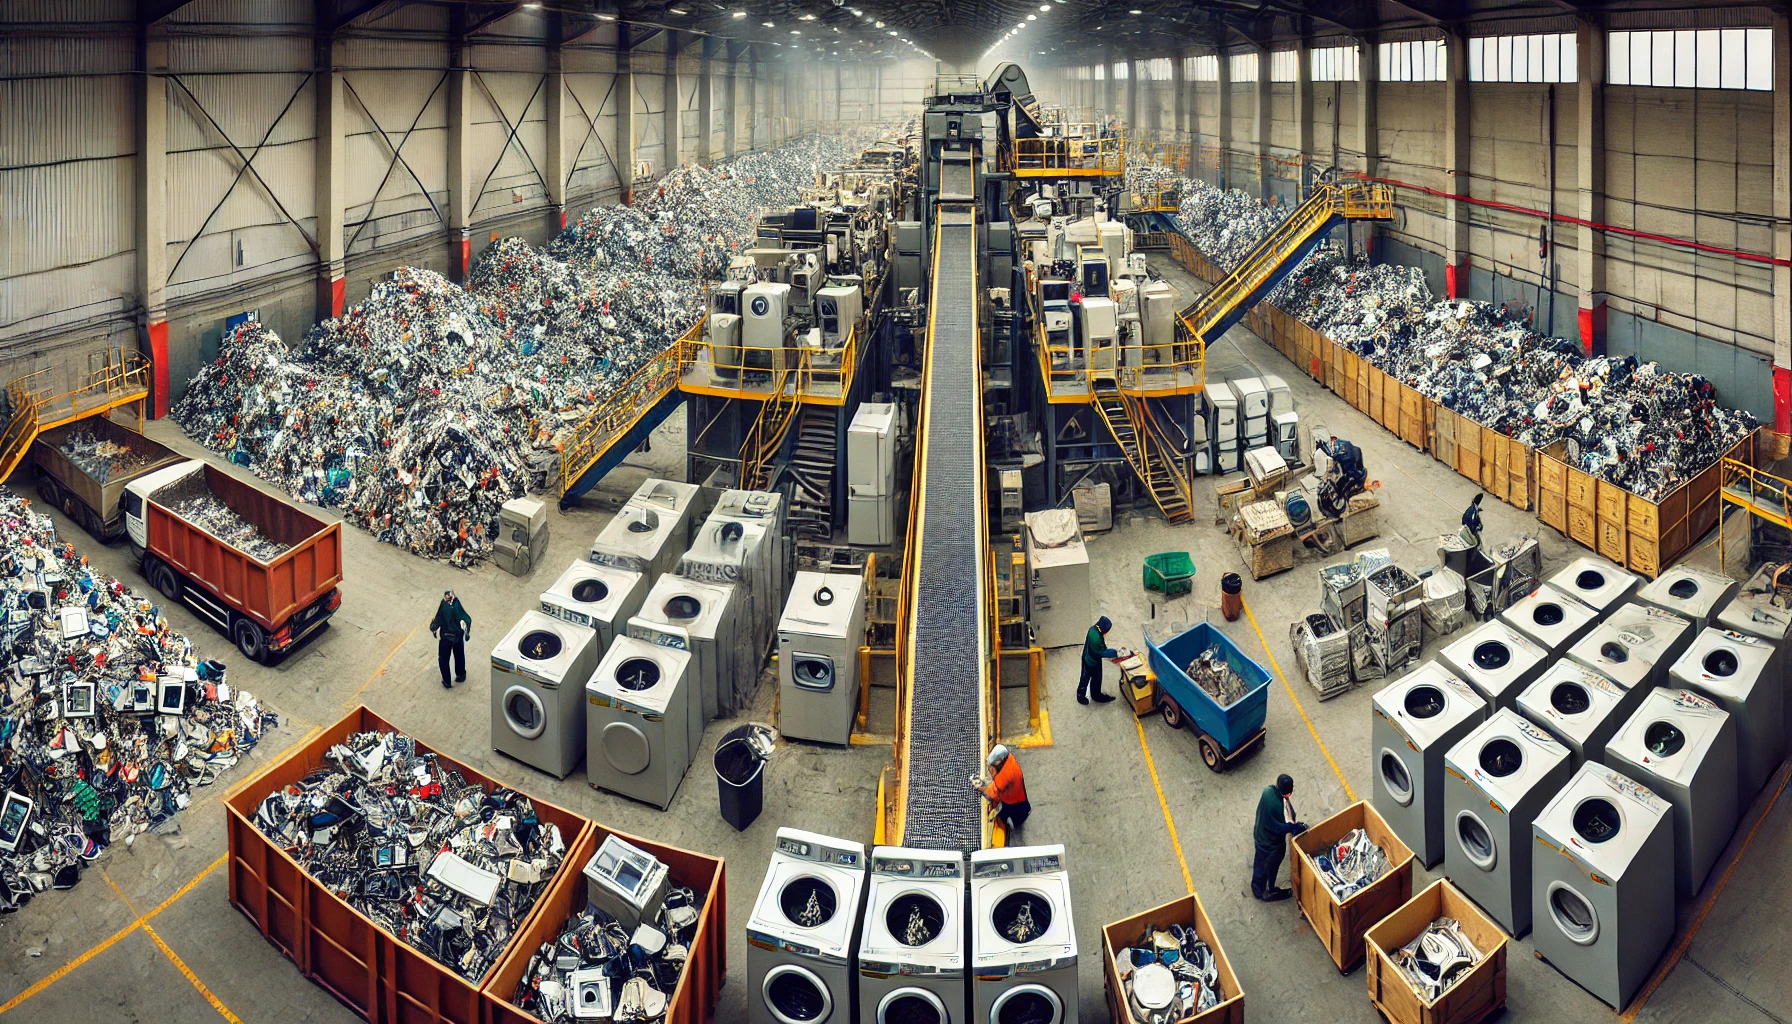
(997, 754)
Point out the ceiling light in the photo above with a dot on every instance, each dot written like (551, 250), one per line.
(532, 7)
(794, 32)
(805, 17)
(1135, 10)
(1032, 17)
(677, 10)
(894, 32)
(880, 24)
(1045, 7)
(606, 17)
(768, 24)
(740, 14)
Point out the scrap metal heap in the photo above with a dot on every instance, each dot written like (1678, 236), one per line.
(1628, 422)
(641, 979)
(420, 411)
(100, 458)
(1170, 975)
(108, 718)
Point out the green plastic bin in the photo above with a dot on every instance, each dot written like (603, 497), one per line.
(1170, 573)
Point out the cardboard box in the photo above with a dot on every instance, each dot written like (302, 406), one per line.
(1184, 911)
(1476, 996)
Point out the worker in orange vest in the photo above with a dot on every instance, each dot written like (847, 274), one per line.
(1007, 789)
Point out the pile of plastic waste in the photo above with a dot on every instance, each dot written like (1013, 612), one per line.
(108, 718)
(595, 970)
(443, 864)
(1170, 975)
(1213, 673)
(421, 410)
(102, 459)
(1351, 864)
(1438, 958)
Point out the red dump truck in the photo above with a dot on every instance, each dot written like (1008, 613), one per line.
(89, 494)
(266, 602)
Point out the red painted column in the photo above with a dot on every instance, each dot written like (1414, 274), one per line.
(1592, 329)
(158, 368)
(1782, 400)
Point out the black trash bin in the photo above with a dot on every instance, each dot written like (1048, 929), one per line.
(740, 773)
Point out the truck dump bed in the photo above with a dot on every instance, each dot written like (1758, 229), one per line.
(100, 493)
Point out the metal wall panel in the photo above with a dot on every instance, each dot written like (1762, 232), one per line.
(395, 100)
(40, 55)
(251, 54)
(650, 104)
(508, 167)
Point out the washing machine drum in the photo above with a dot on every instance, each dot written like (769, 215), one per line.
(524, 713)
(1491, 655)
(1021, 917)
(540, 645)
(1570, 699)
(683, 608)
(915, 919)
(637, 674)
(1663, 739)
(1501, 758)
(1027, 1004)
(1683, 589)
(813, 671)
(590, 591)
(795, 995)
(912, 1006)
(1424, 702)
(808, 902)
(1590, 580)
(1597, 820)
(1722, 662)
(1548, 613)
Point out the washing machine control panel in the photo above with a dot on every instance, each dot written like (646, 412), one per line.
(908, 867)
(818, 853)
(1018, 866)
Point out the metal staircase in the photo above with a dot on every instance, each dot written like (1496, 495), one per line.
(618, 424)
(1129, 421)
(811, 468)
(759, 452)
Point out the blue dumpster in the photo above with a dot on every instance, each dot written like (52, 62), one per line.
(1225, 734)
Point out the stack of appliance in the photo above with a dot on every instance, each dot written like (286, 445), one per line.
(803, 935)
(1394, 623)
(522, 535)
(871, 475)
(703, 619)
(1683, 747)
(741, 545)
(1417, 720)
(819, 637)
(912, 953)
(1253, 411)
(1343, 597)
(1224, 426)
(1058, 585)
(1023, 940)
(538, 703)
(651, 529)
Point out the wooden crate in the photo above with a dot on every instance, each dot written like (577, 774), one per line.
(1553, 476)
(1413, 417)
(1477, 995)
(1609, 501)
(1341, 926)
(1468, 448)
(1342, 381)
(1493, 463)
(1520, 474)
(1552, 508)
(1443, 436)
(1363, 367)
(1390, 403)
(1614, 542)
(1186, 911)
(1583, 527)
(1582, 489)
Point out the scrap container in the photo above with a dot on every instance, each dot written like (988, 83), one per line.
(1187, 911)
(1341, 926)
(1477, 995)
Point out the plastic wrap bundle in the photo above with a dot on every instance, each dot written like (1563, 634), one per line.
(1445, 603)
(1351, 864)
(109, 718)
(595, 970)
(1438, 958)
(1171, 975)
(1213, 673)
(1323, 646)
(442, 864)
(420, 411)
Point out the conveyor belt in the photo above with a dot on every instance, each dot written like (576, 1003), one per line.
(948, 648)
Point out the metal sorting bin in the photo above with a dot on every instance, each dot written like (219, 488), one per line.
(1226, 734)
(740, 772)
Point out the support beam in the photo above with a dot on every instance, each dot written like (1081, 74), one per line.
(625, 113)
(1303, 111)
(1265, 164)
(554, 168)
(1368, 119)
(151, 184)
(460, 129)
(1223, 93)
(1590, 155)
(1135, 118)
(1782, 224)
(838, 89)
(1181, 103)
(1456, 164)
(754, 141)
(1110, 100)
(332, 191)
(706, 103)
(731, 103)
(673, 133)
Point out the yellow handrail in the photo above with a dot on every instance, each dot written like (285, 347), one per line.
(1057, 154)
(614, 417)
(763, 441)
(122, 378)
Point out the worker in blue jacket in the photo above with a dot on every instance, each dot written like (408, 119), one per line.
(1095, 648)
(1275, 823)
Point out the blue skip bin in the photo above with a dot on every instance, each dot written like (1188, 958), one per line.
(1225, 734)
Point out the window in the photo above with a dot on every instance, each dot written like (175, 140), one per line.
(1284, 66)
(1335, 64)
(1201, 69)
(1157, 69)
(1121, 71)
(1551, 58)
(1418, 60)
(1706, 58)
(1101, 72)
(1243, 67)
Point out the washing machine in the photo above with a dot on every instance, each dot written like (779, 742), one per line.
(819, 638)
(1634, 645)
(651, 529)
(1683, 747)
(1417, 719)
(1696, 595)
(600, 596)
(1752, 612)
(671, 637)
(636, 706)
(1604, 908)
(1495, 782)
(1023, 941)
(1594, 582)
(767, 509)
(1550, 618)
(802, 940)
(736, 553)
(538, 711)
(709, 615)
(912, 956)
(1742, 674)
(1497, 660)
(1581, 707)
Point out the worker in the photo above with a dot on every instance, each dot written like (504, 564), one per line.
(1275, 823)
(1471, 521)
(1095, 648)
(451, 627)
(1006, 789)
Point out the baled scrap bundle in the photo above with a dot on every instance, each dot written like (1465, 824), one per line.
(108, 718)
(1438, 958)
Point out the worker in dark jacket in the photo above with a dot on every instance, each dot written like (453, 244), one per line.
(1275, 823)
(451, 626)
(1471, 520)
(1007, 789)
(1095, 648)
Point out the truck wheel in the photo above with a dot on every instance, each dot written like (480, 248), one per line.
(1172, 714)
(162, 578)
(1210, 756)
(249, 639)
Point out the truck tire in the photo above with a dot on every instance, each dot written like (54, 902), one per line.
(163, 579)
(250, 640)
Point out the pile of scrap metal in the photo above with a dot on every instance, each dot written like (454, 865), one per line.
(1171, 975)
(1368, 624)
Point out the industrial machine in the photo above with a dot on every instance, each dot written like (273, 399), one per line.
(1023, 940)
(1604, 908)
(651, 529)
(837, 309)
(1418, 718)
(819, 637)
(739, 555)
(1253, 411)
(803, 935)
(1683, 747)
(764, 332)
(707, 618)
(538, 711)
(1579, 706)
(912, 952)
(1550, 618)
(1496, 780)
(1742, 675)
(1594, 582)
(1342, 477)
(1496, 660)
(1059, 607)
(626, 882)
(871, 475)
(1634, 645)
(635, 721)
(600, 596)
(1694, 594)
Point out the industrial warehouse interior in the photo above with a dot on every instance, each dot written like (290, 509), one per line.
(848, 512)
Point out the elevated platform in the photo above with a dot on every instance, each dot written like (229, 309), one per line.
(115, 380)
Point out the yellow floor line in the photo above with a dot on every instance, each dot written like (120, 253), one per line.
(1169, 822)
(173, 958)
(59, 973)
(1349, 794)
(381, 670)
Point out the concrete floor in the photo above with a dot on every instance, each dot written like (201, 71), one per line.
(1092, 788)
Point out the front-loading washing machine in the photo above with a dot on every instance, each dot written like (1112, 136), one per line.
(666, 635)
(1580, 707)
(818, 657)
(1634, 645)
(1417, 719)
(1742, 674)
(767, 509)
(709, 614)
(1594, 582)
(912, 955)
(1550, 618)
(1496, 781)
(635, 721)
(1604, 908)
(1495, 659)
(739, 554)
(600, 596)
(802, 939)
(1683, 747)
(538, 700)
(650, 531)
(1694, 594)
(1023, 941)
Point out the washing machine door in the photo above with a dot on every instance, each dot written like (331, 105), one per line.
(626, 748)
(1027, 1004)
(523, 712)
(1573, 913)
(912, 1006)
(1476, 840)
(814, 672)
(1395, 776)
(794, 995)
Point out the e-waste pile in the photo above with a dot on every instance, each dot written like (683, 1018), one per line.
(1628, 422)
(417, 413)
(108, 719)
